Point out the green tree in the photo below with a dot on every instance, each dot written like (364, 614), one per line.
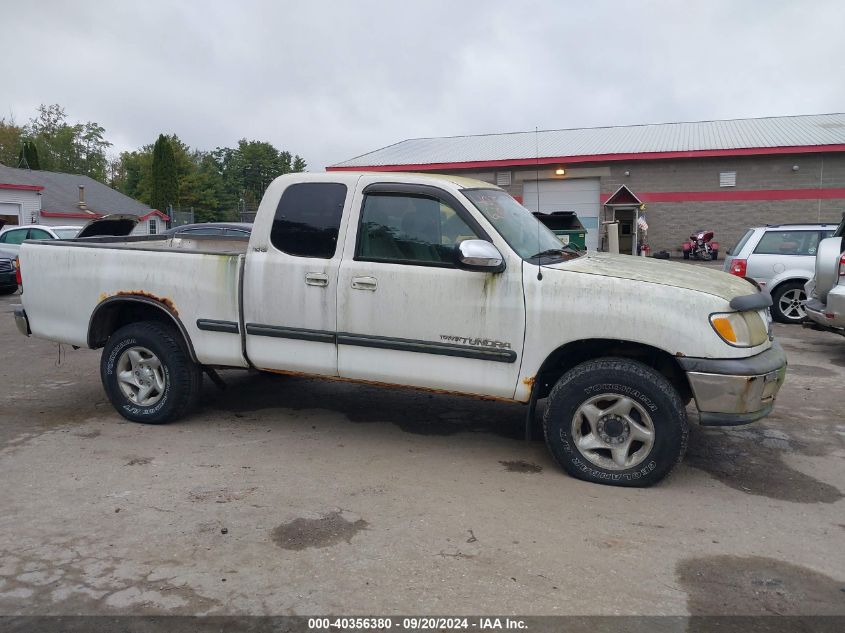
(78, 148)
(28, 156)
(10, 142)
(164, 186)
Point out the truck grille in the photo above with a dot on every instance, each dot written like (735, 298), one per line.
(6, 265)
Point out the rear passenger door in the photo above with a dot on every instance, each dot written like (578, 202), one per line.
(290, 284)
(407, 315)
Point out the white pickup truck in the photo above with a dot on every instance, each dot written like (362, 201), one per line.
(432, 282)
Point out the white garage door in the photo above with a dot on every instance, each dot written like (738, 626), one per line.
(10, 210)
(579, 194)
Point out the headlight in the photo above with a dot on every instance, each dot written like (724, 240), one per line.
(740, 329)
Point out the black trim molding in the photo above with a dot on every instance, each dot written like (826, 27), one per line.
(213, 325)
(301, 334)
(383, 342)
(426, 347)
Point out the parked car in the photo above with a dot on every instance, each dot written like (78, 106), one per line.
(826, 290)
(433, 282)
(780, 258)
(8, 269)
(229, 229)
(11, 237)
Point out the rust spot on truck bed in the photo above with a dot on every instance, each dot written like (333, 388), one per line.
(167, 302)
(375, 383)
(528, 381)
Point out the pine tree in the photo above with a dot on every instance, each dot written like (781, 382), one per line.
(164, 184)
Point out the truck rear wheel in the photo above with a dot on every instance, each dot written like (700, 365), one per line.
(616, 421)
(148, 374)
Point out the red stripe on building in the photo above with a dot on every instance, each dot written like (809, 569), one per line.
(603, 158)
(736, 196)
(8, 185)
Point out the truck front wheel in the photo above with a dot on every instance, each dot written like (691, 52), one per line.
(616, 421)
(147, 373)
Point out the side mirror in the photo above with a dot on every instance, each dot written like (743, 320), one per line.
(480, 256)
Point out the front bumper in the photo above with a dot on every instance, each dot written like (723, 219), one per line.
(21, 320)
(8, 279)
(736, 391)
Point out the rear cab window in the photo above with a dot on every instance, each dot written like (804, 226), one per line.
(788, 243)
(308, 218)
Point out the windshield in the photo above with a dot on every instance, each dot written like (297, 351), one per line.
(522, 231)
(66, 234)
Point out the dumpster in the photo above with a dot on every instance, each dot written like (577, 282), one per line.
(567, 227)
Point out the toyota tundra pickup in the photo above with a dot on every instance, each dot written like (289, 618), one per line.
(432, 282)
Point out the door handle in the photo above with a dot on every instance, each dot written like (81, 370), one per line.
(364, 283)
(317, 279)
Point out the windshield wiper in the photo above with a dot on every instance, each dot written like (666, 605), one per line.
(558, 251)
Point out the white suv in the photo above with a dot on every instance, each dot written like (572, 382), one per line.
(781, 258)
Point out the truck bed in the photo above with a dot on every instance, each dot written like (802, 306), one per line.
(64, 282)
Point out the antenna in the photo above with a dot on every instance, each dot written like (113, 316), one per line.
(537, 172)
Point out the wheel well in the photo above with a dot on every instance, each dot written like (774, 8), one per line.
(568, 356)
(774, 288)
(113, 314)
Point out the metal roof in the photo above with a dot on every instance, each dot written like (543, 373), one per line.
(737, 136)
(61, 192)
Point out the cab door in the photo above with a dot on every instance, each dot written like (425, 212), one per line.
(408, 315)
(290, 279)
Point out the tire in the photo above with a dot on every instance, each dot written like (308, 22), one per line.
(786, 306)
(714, 254)
(686, 254)
(168, 383)
(8, 290)
(628, 400)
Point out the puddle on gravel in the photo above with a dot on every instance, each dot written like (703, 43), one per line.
(751, 461)
(521, 466)
(754, 585)
(326, 531)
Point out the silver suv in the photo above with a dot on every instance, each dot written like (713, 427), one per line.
(781, 258)
(826, 290)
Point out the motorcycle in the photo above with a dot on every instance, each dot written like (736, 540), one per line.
(701, 246)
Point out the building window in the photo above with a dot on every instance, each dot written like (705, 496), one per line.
(153, 226)
(727, 179)
(503, 178)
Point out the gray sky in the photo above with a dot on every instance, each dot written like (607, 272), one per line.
(331, 80)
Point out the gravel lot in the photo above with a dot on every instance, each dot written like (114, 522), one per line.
(291, 496)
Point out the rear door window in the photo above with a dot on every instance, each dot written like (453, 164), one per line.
(308, 219)
(788, 243)
(39, 234)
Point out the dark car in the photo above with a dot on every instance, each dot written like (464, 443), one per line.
(8, 281)
(229, 229)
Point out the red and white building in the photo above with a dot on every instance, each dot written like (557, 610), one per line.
(58, 199)
(720, 175)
